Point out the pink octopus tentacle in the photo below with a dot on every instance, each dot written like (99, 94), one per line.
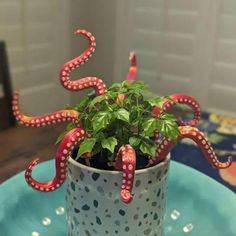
(181, 99)
(71, 139)
(126, 161)
(198, 137)
(133, 66)
(43, 120)
(86, 82)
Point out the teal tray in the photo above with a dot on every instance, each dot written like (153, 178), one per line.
(197, 206)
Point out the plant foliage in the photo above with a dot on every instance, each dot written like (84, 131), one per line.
(123, 115)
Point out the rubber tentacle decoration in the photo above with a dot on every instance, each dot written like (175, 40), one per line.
(133, 67)
(126, 161)
(71, 139)
(43, 120)
(198, 137)
(181, 98)
(85, 82)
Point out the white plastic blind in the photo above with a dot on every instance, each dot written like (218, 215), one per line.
(29, 29)
(183, 46)
(164, 35)
(222, 89)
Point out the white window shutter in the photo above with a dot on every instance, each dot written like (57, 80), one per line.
(182, 46)
(29, 28)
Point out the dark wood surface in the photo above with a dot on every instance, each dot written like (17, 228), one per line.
(19, 145)
(6, 115)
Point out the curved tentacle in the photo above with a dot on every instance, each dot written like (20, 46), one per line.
(181, 99)
(86, 82)
(71, 139)
(43, 120)
(133, 66)
(198, 137)
(126, 161)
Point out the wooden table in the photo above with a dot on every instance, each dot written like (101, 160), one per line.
(19, 145)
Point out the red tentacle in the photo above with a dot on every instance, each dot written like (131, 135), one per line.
(198, 137)
(126, 161)
(71, 139)
(182, 99)
(86, 82)
(133, 66)
(43, 120)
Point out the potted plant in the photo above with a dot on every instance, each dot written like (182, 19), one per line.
(114, 152)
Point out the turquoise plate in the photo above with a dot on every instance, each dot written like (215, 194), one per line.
(197, 206)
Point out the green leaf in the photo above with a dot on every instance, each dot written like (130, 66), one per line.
(99, 136)
(69, 127)
(115, 85)
(92, 94)
(134, 141)
(82, 102)
(109, 143)
(157, 101)
(86, 146)
(167, 116)
(111, 157)
(96, 100)
(122, 114)
(149, 126)
(60, 137)
(97, 148)
(148, 147)
(168, 128)
(101, 120)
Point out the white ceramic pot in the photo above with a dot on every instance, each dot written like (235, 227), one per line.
(94, 206)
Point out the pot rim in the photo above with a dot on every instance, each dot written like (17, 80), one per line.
(115, 172)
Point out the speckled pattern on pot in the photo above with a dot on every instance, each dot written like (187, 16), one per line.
(94, 206)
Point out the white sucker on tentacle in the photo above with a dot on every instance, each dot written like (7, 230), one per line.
(43, 120)
(126, 161)
(71, 139)
(86, 82)
(198, 137)
(181, 98)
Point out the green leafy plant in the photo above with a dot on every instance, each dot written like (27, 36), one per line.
(123, 115)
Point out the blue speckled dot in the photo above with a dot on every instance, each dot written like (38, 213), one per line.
(95, 176)
(155, 217)
(95, 203)
(85, 207)
(147, 231)
(72, 185)
(116, 201)
(137, 183)
(86, 189)
(87, 233)
(81, 175)
(121, 212)
(154, 203)
(101, 190)
(98, 220)
(76, 210)
(117, 222)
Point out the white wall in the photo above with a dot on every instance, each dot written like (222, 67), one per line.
(98, 17)
(183, 46)
(37, 42)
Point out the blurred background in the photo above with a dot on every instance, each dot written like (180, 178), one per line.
(184, 46)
